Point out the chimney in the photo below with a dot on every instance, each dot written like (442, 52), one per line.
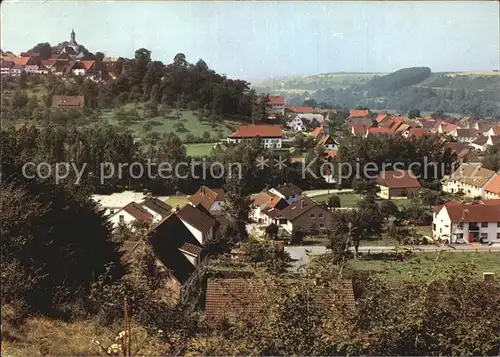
(488, 276)
(302, 204)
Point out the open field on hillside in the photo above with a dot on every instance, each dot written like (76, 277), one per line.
(474, 73)
(169, 124)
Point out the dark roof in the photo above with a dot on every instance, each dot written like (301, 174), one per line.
(299, 207)
(272, 212)
(166, 238)
(288, 189)
(456, 147)
(481, 140)
(397, 179)
(157, 206)
(237, 296)
(467, 133)
(192, 249)
(196, 217)
(207, 196)
(138, 212)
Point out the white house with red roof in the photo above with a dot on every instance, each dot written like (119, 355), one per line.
(276, 105)
(455, 222)
(271, 135)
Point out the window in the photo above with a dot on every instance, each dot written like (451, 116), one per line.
(312, 215)
(498, 235)
(460, 226)
(433, 227)
(122, 218)
(498, 224)
(321, 215)
(321, 225)
(484, 224)
(483, 237)
(460, 236)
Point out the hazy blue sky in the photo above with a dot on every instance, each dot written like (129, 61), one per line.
(255, 40)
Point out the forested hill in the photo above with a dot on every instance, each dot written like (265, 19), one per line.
(468, 93)
(403, 78)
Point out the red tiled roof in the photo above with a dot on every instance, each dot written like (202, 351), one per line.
(87, 64)
(317, 131)
(419, 131)
(276, 100)
(21, 61)
(473, 212)
(356, 113)
(494, 185)
(331, 153)
(397, 179)
(250, 131)
(207, 197)
(138, 212)
(246, 296)
(381, 116)
(301, 109)
(379, 131)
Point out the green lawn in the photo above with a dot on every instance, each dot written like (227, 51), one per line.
(199, 149)
(167, 124)
(422, 264)
(177, 200)
(347, 200)
(351, 199)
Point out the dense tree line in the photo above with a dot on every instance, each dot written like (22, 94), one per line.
(179, 84)
(402, 78)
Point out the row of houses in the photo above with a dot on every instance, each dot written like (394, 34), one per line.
(69, 61)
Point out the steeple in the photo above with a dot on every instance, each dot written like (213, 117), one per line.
(73, 36)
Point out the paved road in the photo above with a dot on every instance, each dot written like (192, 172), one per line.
(300, 254)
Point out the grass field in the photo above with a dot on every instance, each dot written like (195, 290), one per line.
(351, 199)
(199, 149)
(179, 200)
(347, 200)
(422, 264)
(167, 124)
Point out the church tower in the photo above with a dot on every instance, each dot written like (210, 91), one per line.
(73, 41)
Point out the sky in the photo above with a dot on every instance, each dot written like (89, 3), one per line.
(255, 40)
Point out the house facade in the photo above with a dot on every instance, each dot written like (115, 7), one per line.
(133, 212)
(287, 191)
(306, 215)
(276, 105)
(271, 135)
(467, 223)
(211, 199)
(68, 102)
(470, 180)
(398, 184)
